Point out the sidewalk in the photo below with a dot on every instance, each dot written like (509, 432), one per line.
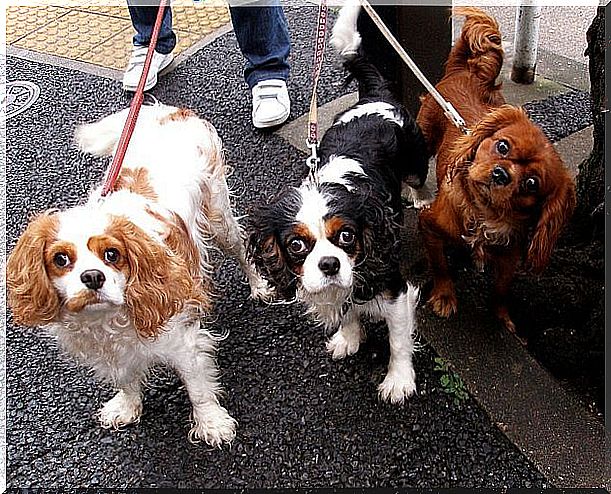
(304, 420)
(102, 35)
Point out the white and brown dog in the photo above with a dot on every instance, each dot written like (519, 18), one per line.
(122, 282)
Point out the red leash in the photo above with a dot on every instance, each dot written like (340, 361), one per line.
(134, 108)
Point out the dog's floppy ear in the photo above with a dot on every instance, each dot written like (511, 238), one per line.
(555, 212)
(463, 151)
(31, 294)
(266, 253)
(160, 281)
(382, 223)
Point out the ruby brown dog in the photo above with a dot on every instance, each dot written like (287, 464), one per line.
(503, 190)
(122, 283)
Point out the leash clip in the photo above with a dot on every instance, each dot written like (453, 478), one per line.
(455, 118)
(313, 160)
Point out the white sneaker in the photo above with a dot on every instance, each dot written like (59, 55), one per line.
(136, 65)
(270, 103)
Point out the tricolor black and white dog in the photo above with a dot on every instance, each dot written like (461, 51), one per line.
(334, 242)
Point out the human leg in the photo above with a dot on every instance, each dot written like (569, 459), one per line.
(143, 19)
(264, 40)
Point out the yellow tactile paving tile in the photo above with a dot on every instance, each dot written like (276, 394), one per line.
(202, 20)
(111, 10)
(185, 40)
(73, 34)
(199, 4)
(21, 21)
(114, 52)
(102, 34)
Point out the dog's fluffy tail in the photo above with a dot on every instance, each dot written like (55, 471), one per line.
(479, 49)
(345, 37)
(347, 43)
(100, 138)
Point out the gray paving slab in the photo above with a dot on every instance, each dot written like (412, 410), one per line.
(540, 89)
(296, 131)
(304, 420)
(548, 424)
(562, 29)
(576, 148)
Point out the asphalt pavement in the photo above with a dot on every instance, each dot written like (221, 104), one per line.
(304, 420)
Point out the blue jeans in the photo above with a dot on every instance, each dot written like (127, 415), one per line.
(262, 34)
(143, 20)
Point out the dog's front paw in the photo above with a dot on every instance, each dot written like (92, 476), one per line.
(503, 315)
(213, 425)
(122, 410)
(443, 302)
(343, 344)
(398, 386)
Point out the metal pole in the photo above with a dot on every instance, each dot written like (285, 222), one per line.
(526, 40)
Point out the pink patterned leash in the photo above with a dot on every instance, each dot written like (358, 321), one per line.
(312, 141)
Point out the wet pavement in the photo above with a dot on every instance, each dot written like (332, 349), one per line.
(304, 420)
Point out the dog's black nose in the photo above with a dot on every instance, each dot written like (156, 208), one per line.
(93, 279)
(329, 265)
(500, 176)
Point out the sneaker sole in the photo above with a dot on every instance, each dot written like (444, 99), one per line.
(163, 69)
(272, 123)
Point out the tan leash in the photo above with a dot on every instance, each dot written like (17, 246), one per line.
(449, 111)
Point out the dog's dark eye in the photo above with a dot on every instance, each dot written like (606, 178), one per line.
(346, 238)
(531, 185)
(297, 246)
(61, 260)
(111, 255)
(502, 147)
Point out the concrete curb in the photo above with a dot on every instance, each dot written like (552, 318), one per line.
(548, 425)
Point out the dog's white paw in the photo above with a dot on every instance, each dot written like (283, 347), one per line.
(420, 198)
(343, 344)
(261, 291)
(398, 386)
(121, 410)
(213, 425)
(423, 203)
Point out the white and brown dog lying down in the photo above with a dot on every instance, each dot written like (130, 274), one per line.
(333, 243)
(122, 283)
